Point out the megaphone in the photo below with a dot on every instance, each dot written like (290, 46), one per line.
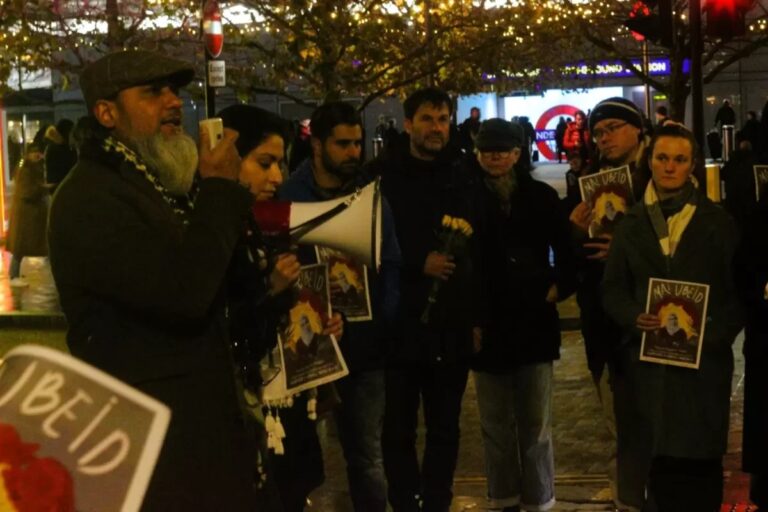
(350, 224)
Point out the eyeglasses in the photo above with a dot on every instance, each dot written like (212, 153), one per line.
(607, 130)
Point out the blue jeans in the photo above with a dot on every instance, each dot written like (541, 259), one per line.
(360, 418)
(516, 418)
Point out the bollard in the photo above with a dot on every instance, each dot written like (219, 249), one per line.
(728, 141)
(714, 186)
(378, 145)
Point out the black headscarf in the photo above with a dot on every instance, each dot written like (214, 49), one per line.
(254, 124)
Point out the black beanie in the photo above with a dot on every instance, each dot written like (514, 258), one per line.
(616, 108)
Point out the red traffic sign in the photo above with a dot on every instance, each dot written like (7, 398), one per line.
(212, 28)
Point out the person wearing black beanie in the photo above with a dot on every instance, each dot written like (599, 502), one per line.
(616, 125)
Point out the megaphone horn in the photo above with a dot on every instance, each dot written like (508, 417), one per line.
(350, 224)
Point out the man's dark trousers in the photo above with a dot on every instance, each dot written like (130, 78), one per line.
(441, 387)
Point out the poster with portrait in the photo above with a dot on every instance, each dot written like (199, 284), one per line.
(682, 311)
(348, 282)
(609, 193)
(761, 181)
(309, 357)
(73, 437)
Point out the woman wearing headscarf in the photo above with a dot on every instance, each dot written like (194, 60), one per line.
(259, 296)
(676, 233)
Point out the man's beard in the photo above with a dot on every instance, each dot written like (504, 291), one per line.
(345, 170)
(427, 150)
(503, 187)
(173, 158)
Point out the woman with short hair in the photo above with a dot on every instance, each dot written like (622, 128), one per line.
(676, 233)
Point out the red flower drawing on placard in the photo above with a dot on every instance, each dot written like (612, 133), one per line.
(29, 483)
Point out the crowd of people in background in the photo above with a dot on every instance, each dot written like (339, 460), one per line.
(164, 276)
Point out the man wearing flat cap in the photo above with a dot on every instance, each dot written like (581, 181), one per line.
(616, 125)
(139, 257)
(521, 336)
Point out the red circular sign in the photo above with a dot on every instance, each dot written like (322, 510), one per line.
(560, 110)
(212, 28)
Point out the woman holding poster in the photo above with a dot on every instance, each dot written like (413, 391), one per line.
(676, 235)
(259, 295)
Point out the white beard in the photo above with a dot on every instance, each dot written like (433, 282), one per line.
(173, 158)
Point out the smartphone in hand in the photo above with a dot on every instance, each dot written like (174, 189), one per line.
(215, 128)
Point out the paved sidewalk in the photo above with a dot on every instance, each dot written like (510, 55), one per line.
(580, 437)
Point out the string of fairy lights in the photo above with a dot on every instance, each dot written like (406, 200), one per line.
(521, 22)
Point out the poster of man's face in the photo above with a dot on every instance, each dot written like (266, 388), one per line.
(680, 307)
(348, 285)
(310, 357)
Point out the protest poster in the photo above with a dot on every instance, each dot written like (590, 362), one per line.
(609, 193)
(73, 437)
(682, 310)
(310, 358)
(348, 284)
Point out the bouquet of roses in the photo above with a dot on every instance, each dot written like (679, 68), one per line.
(453, 236)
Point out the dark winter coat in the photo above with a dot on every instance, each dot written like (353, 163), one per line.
(142, 295)
(29, 211)
(521, 326)
(420, 193)
(725, 115)
(601, 335)
(254, 317)
(59, 159)
(364, 344)
(738, 176)
(687, 410)
(752, 270)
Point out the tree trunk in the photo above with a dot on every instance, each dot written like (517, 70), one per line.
(677, 96)
(678, 88)
(114, 30)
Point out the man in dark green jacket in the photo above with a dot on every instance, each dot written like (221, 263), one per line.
(139, 264)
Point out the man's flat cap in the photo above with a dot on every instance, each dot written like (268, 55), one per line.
(109, 75)
(499, 134)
